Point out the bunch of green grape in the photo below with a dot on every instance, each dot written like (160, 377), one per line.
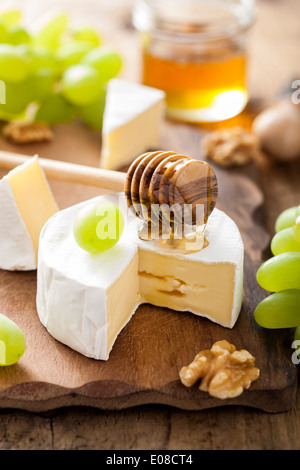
(281, 276)
(56, 75)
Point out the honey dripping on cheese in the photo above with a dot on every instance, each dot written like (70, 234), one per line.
(190, 242)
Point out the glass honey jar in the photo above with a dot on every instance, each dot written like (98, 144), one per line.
(196, 51)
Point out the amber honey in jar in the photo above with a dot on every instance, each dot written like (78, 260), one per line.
(196, 51)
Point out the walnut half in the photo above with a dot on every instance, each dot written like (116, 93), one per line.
(21, 132)
(230, 147)
(224, 371)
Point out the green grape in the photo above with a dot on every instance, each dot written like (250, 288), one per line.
(279, 310)
(18, 35)
(17, 97)
(71, 52)
(92, 114)
(41, 84)
(3, 33)
(42, 57)
(284, 241)
(286, 218)
(12, 341)
(80, 85)
(296, 229)
(98, 226)
(87, 34)
(50, 35)
(10, 17)
(106, 61)
(14, 63)
(280, 272)
(55, 110)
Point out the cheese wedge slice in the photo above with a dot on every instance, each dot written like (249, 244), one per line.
(26, 203)
(131, 122)
(85, 300)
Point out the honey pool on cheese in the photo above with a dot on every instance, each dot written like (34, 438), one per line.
(26, 203)
(85, 300)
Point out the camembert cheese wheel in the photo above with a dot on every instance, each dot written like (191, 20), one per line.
(85, 300)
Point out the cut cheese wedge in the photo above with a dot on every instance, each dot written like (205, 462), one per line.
(85, 300)
(131, 122)
(26, 203)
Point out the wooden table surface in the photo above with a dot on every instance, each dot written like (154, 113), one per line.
(274, 64)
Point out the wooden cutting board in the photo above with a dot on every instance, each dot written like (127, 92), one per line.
(148, 354)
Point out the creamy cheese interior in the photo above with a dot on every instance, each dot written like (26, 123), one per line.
(166, 281)
(122, 300)
(181, 284)
(31, 190)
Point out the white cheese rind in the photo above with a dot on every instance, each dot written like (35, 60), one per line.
(72, 284)
(16, 248)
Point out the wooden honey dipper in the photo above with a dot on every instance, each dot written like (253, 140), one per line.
(154, 178)
(171, 179)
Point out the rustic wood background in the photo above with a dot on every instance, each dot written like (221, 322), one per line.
(274, 63)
